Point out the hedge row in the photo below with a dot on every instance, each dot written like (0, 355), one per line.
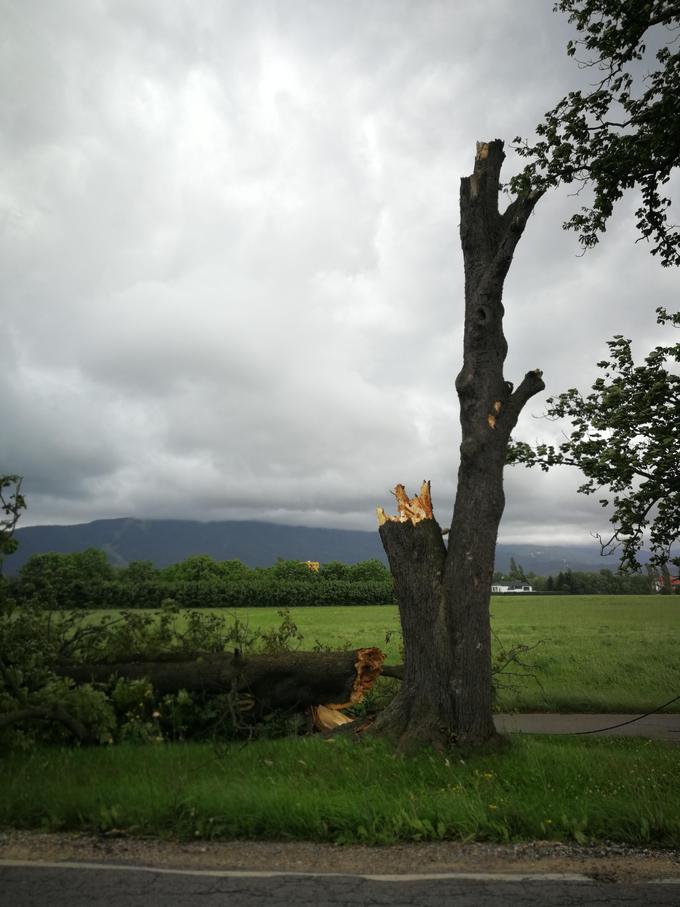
(258, 592)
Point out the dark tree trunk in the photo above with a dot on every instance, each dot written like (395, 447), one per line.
(443, 594)
(292, 680)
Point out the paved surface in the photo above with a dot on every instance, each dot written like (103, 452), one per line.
(601, 862)
(77, 886)
(658, 727)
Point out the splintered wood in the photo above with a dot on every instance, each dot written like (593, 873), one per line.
(410, 509)
(326, 718)
(368, 666)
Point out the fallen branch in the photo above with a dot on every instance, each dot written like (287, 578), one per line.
(53, 712)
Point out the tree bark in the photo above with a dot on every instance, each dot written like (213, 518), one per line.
(292, 680)
(443, 593)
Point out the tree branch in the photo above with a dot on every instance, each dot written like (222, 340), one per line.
(53, 712)
(532, 384)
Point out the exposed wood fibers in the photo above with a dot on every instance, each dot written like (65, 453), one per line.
(412, 509)
(368, 666)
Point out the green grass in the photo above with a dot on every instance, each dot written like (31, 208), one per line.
(307, 788)
(593, 652)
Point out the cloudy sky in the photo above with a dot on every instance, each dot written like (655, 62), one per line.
(231, 273)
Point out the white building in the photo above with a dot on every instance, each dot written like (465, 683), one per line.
(512, 587)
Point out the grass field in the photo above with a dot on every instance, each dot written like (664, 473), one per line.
(307, 788)
(593, 653)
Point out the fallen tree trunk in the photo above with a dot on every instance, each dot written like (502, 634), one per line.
(290, 680)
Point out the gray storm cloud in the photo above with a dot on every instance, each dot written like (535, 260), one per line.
(232, 283)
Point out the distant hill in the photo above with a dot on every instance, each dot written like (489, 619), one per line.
(259, 545)
(169, 541)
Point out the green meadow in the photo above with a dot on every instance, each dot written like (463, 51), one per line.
(588, 653)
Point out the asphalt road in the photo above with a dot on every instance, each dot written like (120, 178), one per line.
(77, 886)
(658, 727)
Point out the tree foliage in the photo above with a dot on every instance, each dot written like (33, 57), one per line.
(596, 582)
(38, 704)
(625, 131)
(85, 579)
(12, 502)
(516, 571)
(625, 439)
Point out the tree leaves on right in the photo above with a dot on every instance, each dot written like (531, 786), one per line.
(625, 131)
(625, 439)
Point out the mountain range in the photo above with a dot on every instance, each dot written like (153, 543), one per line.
(259, 544)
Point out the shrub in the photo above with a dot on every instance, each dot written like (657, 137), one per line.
(37, 705)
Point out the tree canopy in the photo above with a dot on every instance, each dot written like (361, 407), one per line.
(625, 438)
(625, 131)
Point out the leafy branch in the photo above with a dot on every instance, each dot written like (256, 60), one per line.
(625, 439)
(625, 132)
(12, 502)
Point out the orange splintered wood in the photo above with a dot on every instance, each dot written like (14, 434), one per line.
(325, 718)
(414, 509)
(368, 666)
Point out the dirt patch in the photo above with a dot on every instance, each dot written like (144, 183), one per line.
(610, 862)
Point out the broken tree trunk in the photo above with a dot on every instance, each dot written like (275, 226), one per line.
(289, 681)
(443, 593)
